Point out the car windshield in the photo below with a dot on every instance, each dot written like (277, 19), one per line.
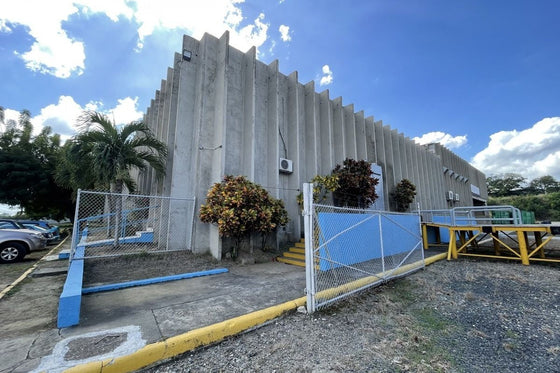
(35, 227)
(9, 224)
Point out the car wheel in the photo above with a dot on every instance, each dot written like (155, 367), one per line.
(12, 252)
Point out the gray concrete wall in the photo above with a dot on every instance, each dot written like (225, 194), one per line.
(225, 112)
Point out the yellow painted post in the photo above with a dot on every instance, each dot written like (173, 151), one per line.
(522, 238)
(452, 252)
(425, 236)
(538, 242)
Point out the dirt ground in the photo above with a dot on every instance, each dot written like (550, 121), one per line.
(98, 271)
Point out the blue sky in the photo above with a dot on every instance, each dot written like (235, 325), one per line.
(479, 76)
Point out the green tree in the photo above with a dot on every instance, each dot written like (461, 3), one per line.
(322, 186)
(356, 186)
(544, 184)
(27, 166)
(403, 195)
(74, 171)
(116, 151)
(545, 206)
(239, 208)
(505, 185)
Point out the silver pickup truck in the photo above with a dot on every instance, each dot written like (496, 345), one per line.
(15, 244)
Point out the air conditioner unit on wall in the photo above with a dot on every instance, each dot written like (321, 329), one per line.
(286, 166)
(450, 195)
(457, 197)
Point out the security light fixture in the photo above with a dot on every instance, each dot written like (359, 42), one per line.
(187, 54)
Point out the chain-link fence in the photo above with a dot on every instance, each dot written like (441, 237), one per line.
(349, 250)
(110, 224)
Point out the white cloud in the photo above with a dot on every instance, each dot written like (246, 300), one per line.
(54, 52)
(10, 116)
(532, 152)
(6, 210)
(285, 32)
(445, 139)
(63, 116)
(327, 77)
(126, 111)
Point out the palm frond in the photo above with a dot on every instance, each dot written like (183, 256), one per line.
(93, 120)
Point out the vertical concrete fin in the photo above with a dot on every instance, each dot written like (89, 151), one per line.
(415, 172)
(380, 153)
(311, 127)
(389, 164)
(397, 156)
(168, 126)
(338, 131)
(370, 140)
(273, 128)
(349, 125)
(325, 133)
(297, 155)
(361, 138)
(249, 102)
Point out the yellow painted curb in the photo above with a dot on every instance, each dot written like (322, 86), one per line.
(186, 342)
(435, 258)
(182, 343)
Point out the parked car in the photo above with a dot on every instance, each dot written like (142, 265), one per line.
(44, 225)
(14, 224)
(15, 244)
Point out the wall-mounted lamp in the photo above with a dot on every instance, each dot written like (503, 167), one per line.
(187, 54)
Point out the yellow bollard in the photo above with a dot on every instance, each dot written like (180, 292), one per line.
(522, 238)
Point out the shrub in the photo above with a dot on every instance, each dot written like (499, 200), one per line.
(403, 194)
(240, 207)
(356, 186)
(322, 185)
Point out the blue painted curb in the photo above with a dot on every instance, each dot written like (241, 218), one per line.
(149, 281)
(71, 297)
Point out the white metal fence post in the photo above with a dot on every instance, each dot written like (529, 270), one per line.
(309, 244)
(76, 228)
(381, 245)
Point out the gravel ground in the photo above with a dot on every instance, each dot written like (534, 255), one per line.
(458, 316)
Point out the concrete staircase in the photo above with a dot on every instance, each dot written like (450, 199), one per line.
(295, 254)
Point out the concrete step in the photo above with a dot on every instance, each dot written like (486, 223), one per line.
(292, 261)
(291, 255)
(297, 250)
(300, 244)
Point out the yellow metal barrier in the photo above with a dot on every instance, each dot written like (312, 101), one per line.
(463, 238)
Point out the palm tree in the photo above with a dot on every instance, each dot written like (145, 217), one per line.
(115, 151)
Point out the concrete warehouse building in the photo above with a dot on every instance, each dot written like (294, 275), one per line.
(221, 111)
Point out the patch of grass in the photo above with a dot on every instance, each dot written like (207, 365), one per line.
(427, 325)
(430, 320)
(402, 291)
(418, 327)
